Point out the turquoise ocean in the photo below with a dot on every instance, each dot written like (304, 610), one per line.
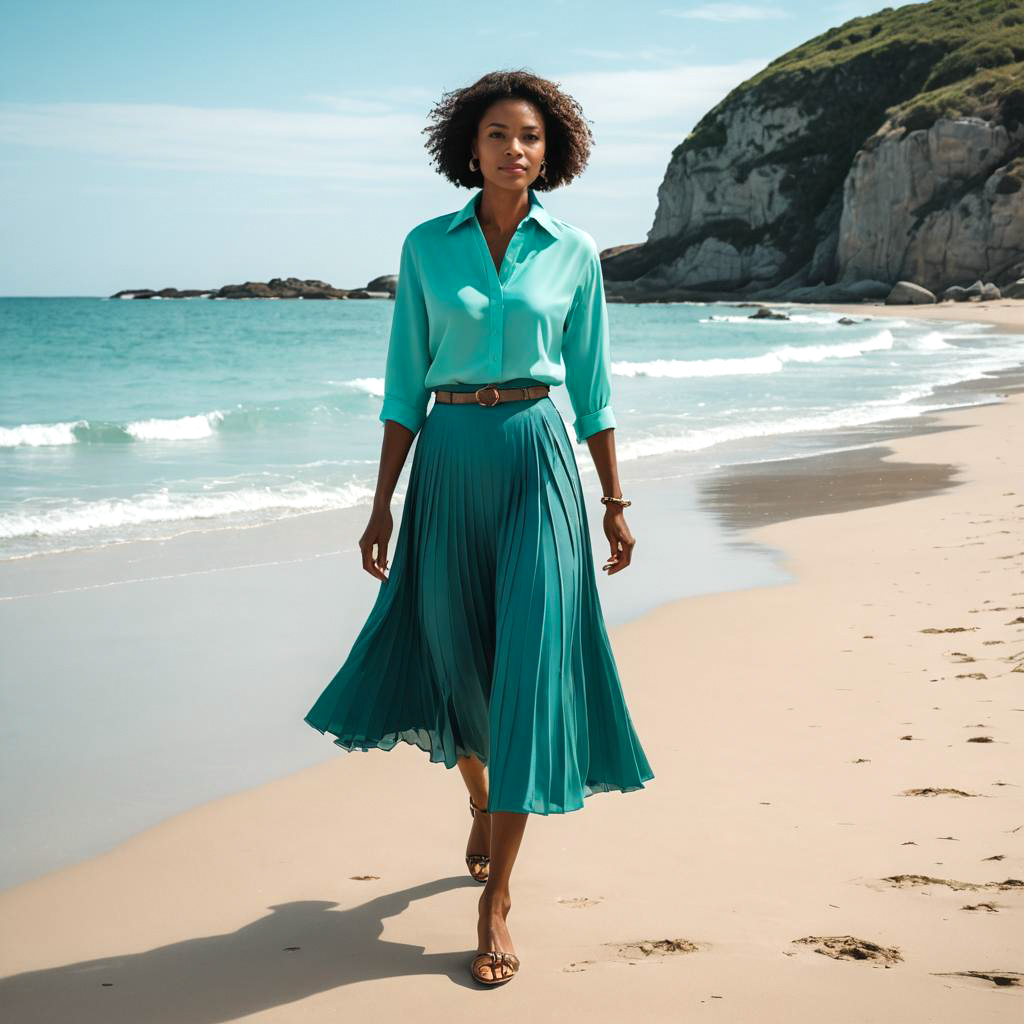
(122, 420)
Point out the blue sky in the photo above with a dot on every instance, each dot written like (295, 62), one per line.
(198, 144)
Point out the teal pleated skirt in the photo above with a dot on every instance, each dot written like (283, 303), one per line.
(488, 638)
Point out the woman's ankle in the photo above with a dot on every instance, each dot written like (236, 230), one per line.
(498, 902)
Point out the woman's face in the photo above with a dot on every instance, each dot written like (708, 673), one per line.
(510, 144)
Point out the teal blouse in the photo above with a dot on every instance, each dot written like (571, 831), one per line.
(458, 320)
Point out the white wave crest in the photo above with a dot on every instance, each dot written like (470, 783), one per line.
(769, 362)
(369, 385)
(930, 342)
(185, 428)
(35, 435)
(164, 506)
(708, 437)
(823, 319)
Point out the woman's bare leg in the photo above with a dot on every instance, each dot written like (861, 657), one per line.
(474, 774)
(507, 829)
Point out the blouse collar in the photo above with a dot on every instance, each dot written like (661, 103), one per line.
(537, 212)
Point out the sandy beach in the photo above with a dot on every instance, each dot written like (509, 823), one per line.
(1005, 314)
(835, 827)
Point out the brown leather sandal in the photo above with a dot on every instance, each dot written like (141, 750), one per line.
(494, 959)
(478, 863)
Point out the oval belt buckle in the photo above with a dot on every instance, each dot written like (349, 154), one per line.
(488, 387)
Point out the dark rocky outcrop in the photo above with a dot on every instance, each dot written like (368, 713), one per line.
(275, 288)
(890, 148)
(385, 283)
(163, 293)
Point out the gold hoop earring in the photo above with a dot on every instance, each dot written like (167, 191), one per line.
(471, 167)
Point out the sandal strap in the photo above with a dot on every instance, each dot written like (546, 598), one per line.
(477, 858)
(497, 957)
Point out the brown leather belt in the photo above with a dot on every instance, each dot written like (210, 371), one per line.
(490, 394)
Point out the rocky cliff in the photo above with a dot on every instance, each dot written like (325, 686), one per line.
(890, 148)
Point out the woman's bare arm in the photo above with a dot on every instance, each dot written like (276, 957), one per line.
(394, 451)
(621, 541)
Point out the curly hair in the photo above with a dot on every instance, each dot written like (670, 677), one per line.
(456, 119)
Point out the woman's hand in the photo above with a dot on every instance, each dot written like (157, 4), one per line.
(378, 531)
(621, 540)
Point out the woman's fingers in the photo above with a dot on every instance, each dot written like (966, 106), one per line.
(382, 554)
(374, 565)
(622, 543)
(377, 534)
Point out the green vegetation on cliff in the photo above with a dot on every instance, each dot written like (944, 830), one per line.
(948, 58)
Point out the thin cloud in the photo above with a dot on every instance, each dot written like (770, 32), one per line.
(353, 105)
(226, 140)
(675, 96)
(636, 55)
(638, 115)
(729, 12)
(379, 101)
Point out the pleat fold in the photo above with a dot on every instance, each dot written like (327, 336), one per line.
(488, 638)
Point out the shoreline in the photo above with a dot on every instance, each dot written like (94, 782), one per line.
(745, 495)
(748, 494)
(789, 727)
(1006, 314)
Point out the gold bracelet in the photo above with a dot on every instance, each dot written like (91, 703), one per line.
(607, 499)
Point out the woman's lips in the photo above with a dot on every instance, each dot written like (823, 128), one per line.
(513, 169)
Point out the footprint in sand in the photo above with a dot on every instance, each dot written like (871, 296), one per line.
(1002, 979)
(910, 881)
(849, 947)
(637, 952)
(645, 949)
(937, 791)
(578, 902)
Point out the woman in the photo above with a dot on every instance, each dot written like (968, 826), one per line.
(486, 645)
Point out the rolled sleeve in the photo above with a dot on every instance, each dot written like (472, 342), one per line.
(408, 358)
(586, 351)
